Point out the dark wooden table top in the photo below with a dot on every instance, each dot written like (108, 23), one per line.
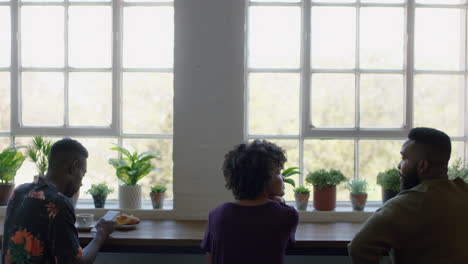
(169, 236)
(186, 237)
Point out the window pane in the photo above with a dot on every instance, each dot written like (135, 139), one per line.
(4, 101)
(28, 170)
(276, 1)
(458, 151)
(382, 38)
(148, 101)
(90, 99)
(382, 100)
(164, 165)
(42, 36)
(333, 100)
(337, 1)
(42, 99)
(274, 37)
(377, 156)
(333, 37)
(99, 169)
(438, 39)
(438, 103)
(90, 36)
(330, 154)
(383, 1)
(89, 0)
(46, 1)
(148, 37)
(273, 104)
(151, 1)
(444, 2)
(5, 36)
(4, 143)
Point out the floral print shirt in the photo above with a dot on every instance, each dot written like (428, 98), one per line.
(40, 226)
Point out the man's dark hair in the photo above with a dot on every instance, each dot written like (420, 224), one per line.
(248, 168)
(435, 144)
(66, 148)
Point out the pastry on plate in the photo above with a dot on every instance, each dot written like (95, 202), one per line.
(124, 219)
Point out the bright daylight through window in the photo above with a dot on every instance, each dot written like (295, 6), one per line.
(338, 84)
(101, 71)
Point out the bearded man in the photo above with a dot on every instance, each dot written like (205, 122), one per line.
(427, 221)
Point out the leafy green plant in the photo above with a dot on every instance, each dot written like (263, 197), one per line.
(132, 167)
(100, 189)
(158, 188)
(458, 170)
(325, 178)
(302, 190)
(10, 161)
(288, 173)
(389, 180)
(38, 152)
(357, 186)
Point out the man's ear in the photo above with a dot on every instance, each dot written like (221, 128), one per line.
(423, 165)
(73, 167)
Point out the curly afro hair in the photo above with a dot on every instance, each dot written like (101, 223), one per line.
(248, 168)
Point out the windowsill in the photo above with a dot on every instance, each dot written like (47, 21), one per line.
(342, 213)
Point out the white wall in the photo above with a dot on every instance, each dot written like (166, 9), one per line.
(209, 100)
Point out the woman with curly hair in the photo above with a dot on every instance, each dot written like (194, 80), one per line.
(256, 227)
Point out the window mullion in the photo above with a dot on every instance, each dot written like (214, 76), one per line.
(117, 10)
(410, 21)
(305, 89)
(14, 69)
(66, 118)
(357, 79)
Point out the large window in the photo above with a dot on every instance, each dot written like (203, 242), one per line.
(100, 71)
(339, 84)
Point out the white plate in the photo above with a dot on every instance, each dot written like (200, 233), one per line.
(84, 228)
(125, 227)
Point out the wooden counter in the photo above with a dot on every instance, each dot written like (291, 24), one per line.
(185, 237)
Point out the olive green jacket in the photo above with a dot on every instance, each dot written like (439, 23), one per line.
(424, 225)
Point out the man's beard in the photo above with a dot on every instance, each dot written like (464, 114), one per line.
(409, 181)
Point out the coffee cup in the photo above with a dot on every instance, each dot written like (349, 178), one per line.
(84, 220)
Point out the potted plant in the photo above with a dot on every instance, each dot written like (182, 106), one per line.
(301, 195)
(99, 193)
(358, 195)
(38, 152)
(10, 161)
(324, 182)
(131, 168)
(390, 182)
(458, 170)
(288, 173)
(157, 195)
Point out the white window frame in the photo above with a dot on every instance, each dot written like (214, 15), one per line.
(115, 130)
(307, 129)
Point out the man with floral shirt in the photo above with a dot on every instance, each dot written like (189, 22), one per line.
(40, 219)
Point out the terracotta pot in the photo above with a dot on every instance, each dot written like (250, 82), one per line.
(5, 192)
(325, 198)
(130, 197)
(358, 201)
(157, 199)
(302, 199)
(99, 201)
(388, 194)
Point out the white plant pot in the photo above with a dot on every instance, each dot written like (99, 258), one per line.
(130, 197)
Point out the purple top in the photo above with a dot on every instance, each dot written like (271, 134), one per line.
(250, 234)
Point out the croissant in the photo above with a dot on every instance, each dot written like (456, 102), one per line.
(124, 219)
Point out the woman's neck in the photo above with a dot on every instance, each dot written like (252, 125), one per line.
(254, 202)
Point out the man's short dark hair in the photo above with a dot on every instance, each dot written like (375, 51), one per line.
(435, 144)
(66, 148)
(248, 168)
